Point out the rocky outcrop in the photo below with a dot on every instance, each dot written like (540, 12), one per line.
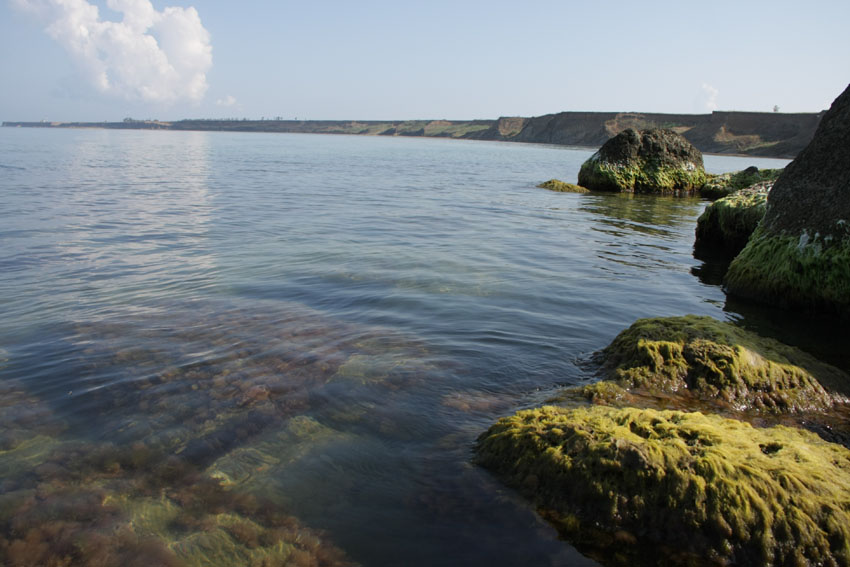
(649, 487)
(726, 224)
(753, 133)
(799, 257)
(562, 187)
(652, 161)
(724, 184)
(718, 362)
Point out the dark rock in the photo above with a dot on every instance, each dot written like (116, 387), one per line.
(799, 257)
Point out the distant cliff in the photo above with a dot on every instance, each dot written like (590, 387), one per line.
(753, 133)
(764, 134)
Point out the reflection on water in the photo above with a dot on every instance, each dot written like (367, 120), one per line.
(640, 226)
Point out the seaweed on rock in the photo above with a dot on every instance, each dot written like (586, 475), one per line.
(682, 488)
(563, 187)
(726, 224)
(717, 361)
(725, 184)
(651, 161)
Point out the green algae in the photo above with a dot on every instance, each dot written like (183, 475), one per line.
(644, 176)
(368, 369)
(715, 490)
(726, 224)
(809, 272)
(225, 538)
(724, 184)
(717, 361)
(563, 187)
(26, 455)
(253, 467)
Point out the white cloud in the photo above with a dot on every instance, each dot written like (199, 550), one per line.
(229, 100)
(708, 97)
(149, 55)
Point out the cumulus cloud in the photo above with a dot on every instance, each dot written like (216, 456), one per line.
(708, 97)
(150, 55)
(229, 100)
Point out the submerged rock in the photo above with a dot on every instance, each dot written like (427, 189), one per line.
(719, 362)
(725, 184)
(726, 224)
(563, 187)
(650, 161)
(678, 488)
(799, 257)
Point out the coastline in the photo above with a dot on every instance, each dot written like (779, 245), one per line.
(745, 134)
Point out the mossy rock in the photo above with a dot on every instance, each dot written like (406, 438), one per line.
(799, 258)
(562, 187)
(726, 224)
(717, 361)
(809, 272)
(668, 487)
(652, 161)
(724, 184)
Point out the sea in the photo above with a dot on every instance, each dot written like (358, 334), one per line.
(229, 348)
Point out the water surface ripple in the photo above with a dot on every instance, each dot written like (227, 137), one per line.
(301, 325)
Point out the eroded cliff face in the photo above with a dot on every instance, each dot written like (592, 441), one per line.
(754, 133)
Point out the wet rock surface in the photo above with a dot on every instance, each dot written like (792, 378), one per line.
(726, 224)
(562, 186)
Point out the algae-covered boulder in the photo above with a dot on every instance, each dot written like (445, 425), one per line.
(650, 161)
(562, 186)
(726, 224)
(715, 490)
(717, 186)
(717, 361)
(799, 257)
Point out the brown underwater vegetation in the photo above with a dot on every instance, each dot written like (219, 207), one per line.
(164, 448)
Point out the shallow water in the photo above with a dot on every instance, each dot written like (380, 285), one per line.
(307, 333)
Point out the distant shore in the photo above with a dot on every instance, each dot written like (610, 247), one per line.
(762, 134)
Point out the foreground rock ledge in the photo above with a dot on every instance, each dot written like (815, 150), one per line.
(678, 488)
(651, 161)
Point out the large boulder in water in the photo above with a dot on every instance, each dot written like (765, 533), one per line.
(650, 161)
(799, 256)
(726, 224)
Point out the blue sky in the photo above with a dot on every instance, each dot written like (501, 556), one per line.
(106, 60)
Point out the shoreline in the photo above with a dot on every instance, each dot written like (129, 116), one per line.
(740, 134)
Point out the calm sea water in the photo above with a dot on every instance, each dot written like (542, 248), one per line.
(324, 324)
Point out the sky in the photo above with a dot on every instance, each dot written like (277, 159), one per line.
(87, 60)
